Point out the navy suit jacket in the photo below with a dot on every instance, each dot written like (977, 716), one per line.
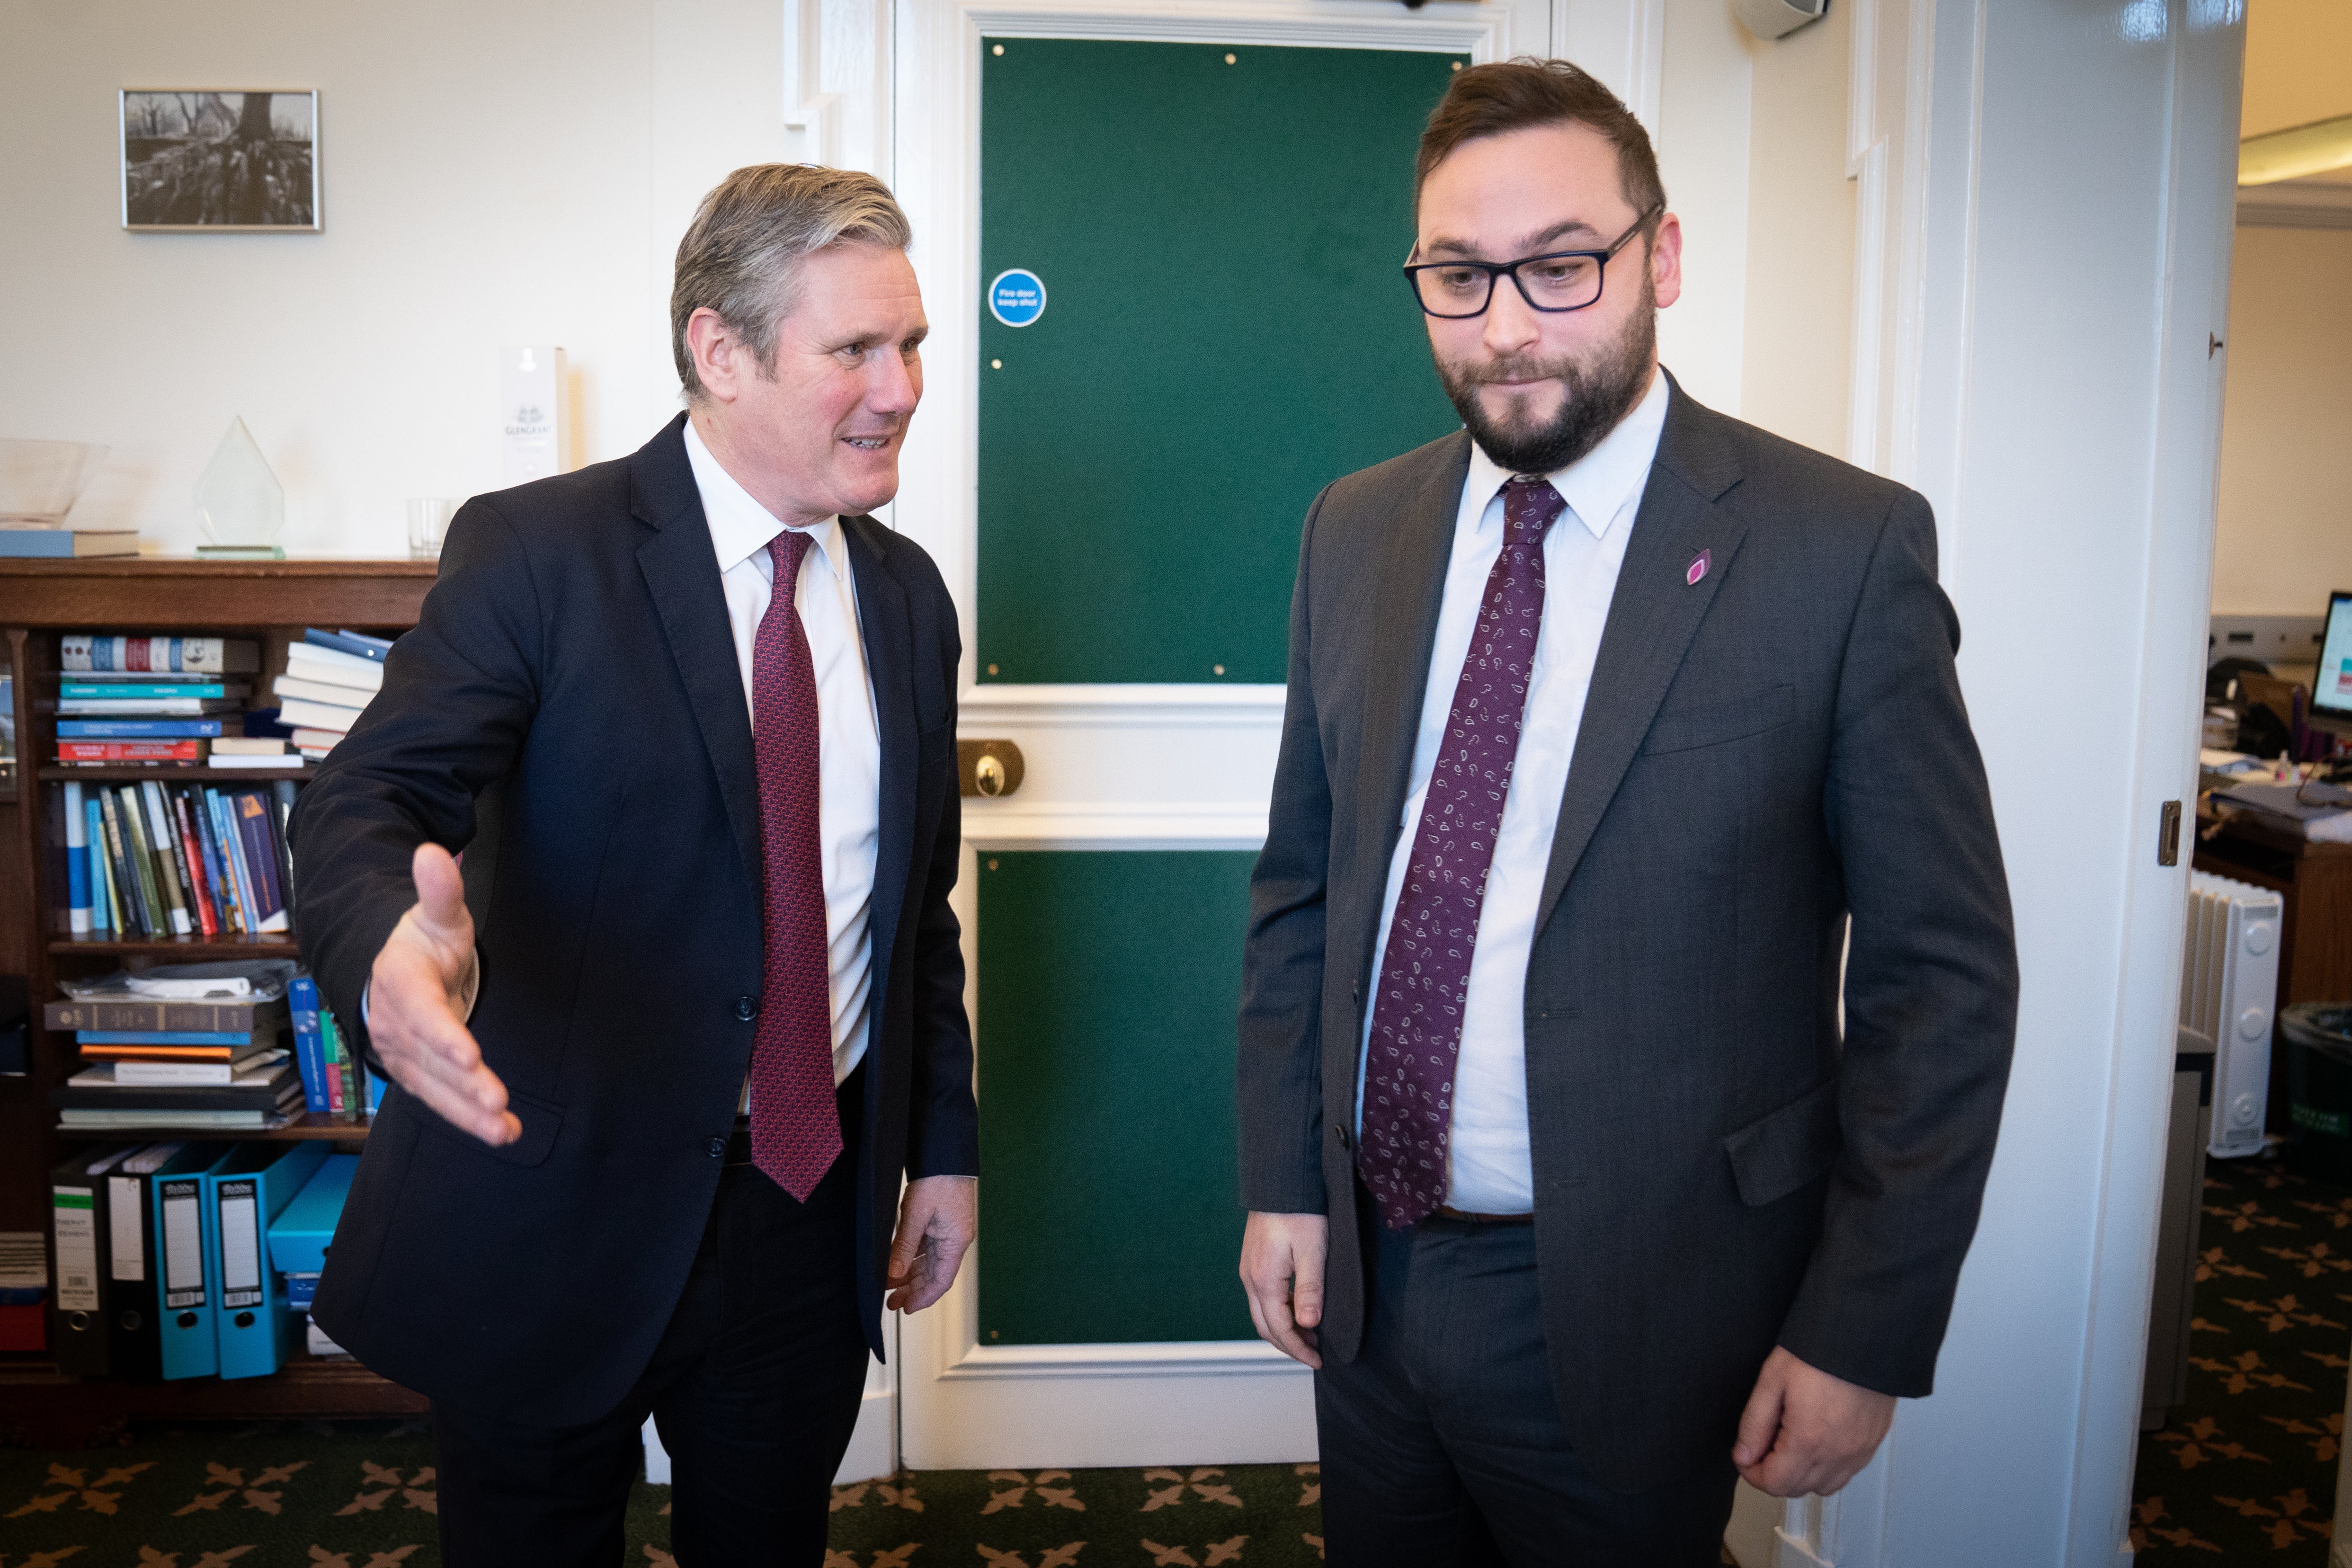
(569, 711)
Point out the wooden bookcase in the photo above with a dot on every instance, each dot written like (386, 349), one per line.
(266, 601)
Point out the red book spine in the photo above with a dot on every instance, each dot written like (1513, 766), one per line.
(129, 751)
(195, 853)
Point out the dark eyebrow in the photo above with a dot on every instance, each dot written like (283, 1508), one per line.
(1528, 245)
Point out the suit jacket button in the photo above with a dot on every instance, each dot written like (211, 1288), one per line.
(1340, 1130)
(747, 1008)
(717, 1148)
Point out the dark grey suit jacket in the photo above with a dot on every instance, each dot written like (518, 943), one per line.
(1764, 753)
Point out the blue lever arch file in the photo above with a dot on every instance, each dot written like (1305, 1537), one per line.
(190, 1346)
(242, 1195)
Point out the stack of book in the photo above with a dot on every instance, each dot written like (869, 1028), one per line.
(149, 699)
(152, 860)
(329, 680)
(221, 1062)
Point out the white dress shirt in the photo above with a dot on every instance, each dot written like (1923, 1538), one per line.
(1488, 1169)
(849, 742)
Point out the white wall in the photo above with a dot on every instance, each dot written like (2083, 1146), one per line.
(2285, 532)
(1794, 379)
(493, 175)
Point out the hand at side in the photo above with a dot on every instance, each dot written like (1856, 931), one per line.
(1282, 1272)
(937, 1219)
(418, 994)
(1805, 1431)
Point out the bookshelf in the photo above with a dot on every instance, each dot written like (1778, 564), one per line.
(269, 601)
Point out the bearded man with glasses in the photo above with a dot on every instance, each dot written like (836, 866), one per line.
(1629, 988)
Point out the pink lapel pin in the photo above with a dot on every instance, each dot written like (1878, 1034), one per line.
(1699, 563)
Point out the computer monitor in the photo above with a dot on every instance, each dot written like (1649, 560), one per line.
(2331, 683)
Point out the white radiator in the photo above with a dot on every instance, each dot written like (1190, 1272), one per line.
(2229, 985)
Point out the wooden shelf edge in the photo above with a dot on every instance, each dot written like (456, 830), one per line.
(192, 946)
(164, 772)
(59, 1412)
(309, 1125)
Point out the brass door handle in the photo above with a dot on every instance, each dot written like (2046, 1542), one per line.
(990, 768)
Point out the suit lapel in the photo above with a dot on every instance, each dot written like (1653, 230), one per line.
(1411, 588)
(1653, 615)
(883, 623)
(681, 573)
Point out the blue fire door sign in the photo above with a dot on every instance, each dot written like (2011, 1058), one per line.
(1017, 298)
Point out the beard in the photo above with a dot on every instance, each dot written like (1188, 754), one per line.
(1595, 394)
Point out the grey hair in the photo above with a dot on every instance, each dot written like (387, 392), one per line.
(740, 255)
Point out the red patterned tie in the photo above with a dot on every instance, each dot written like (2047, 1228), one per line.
(795, 1126)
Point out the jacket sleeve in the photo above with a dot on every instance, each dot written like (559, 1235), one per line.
(459, 691)
(943, 1125)
(1278, 1078)
(1930, 982)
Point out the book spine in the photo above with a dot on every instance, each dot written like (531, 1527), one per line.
(130, 859)
(146, 860)
(168, 864)
(225, 1039)
(284, 790)
(119, 887)
(347, 642)
(238, 879)
(192, 856)
(137, 729)
(77, 863)
(105, 906)
(131, 751)
(303, 994)
(331, 1054)
(73, 651)
(253, 824)
(238, 1018)
(215, 885)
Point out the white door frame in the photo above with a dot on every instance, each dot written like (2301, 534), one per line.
(2026, 1453)
(1191, 770)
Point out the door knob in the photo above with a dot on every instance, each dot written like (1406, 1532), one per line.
(990, 768)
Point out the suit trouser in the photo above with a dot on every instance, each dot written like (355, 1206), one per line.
(1442, 1442)
(754, 1386)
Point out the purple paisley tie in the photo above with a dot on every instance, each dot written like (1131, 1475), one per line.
(1416, 1037)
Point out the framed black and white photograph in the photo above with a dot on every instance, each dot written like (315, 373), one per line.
(244, 162)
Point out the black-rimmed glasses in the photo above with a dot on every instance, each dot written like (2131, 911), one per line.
(1555, 280)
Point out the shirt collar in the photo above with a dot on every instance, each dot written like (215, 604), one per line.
(1606, 481)
(740, 527)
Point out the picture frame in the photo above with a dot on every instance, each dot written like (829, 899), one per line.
(220, 161)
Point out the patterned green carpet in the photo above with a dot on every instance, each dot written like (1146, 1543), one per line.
(361, 1495)
(2246, 1472)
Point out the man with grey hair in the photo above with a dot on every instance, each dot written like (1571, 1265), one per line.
(665, 1052)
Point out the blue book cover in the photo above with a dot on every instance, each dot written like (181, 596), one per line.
(348, 642)
(137, 729)
(101, 907)
(309, 1055)
(39, 544)
(300, 1237)
(124, 690)
(77, 825)
(158, 1037)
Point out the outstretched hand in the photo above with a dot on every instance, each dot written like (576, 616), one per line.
(419, 994)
